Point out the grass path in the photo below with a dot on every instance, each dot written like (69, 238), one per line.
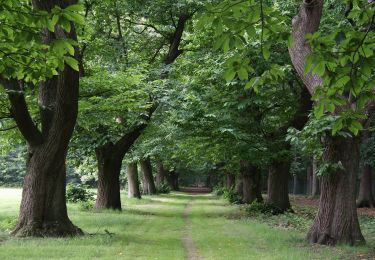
(175, 226)
(187, 239)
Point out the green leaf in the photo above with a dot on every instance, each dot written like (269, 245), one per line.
(73, 63)
(243, 74)
(320, 68)
(75, 8)
(229, 75)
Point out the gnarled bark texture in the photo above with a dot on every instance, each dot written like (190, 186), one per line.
(336, 220)
(109, 158)
(43, 206)
(278, 177)
(133, 181)
(148, 178)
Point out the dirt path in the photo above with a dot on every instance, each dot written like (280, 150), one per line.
(187, 240)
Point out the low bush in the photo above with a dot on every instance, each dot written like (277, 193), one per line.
(78, 193)
(218, 190)
(232, 196)
(164, 188)
(263, 208)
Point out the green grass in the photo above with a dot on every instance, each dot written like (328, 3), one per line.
(152, 228)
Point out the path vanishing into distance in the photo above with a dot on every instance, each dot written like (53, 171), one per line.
(174, 226)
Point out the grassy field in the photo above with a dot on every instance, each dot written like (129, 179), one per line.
(174, 226)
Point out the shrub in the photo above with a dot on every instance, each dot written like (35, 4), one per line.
(164, 188)
(78, 193)
(263, 208)
(86, 205)
(232, 196)
(218, 190)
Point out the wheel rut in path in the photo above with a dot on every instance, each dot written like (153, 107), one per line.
(187, 240)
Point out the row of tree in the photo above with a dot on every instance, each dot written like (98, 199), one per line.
(240, 86)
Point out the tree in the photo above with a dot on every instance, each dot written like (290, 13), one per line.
(43, 206)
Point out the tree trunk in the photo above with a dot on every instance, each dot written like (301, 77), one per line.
(148, 179)
(239, 185)
(295, 184)
(365, 196)
(133, 182)
(160, 173)
(173, 180)
(251, 183)
(315, 191)
(109, 168)
(336, 220)
(278, 185)
(43, 207)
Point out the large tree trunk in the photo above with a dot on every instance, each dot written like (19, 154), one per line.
(337, 221)
(251, 179)
(365, 196)
(43, 206)
(133, 181)
(278, 194)
(160, 173)
(315, 186)
(148, 178)
(109, 168)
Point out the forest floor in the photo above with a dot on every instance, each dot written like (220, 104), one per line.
(174, 226)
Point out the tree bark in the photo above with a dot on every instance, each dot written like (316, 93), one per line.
(251, 183)
(133, 181)
(160, 173)
(109, 168)
(148, 178)
(43, 206)
(278, 194)
(336, 220)
(365, 196)
(295, 184)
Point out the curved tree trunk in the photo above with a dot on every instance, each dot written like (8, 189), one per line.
(365, 196)
(133, 181)
(148, 179)
(160, 173)
(278, 193)
(337, 221)
(109, 168)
